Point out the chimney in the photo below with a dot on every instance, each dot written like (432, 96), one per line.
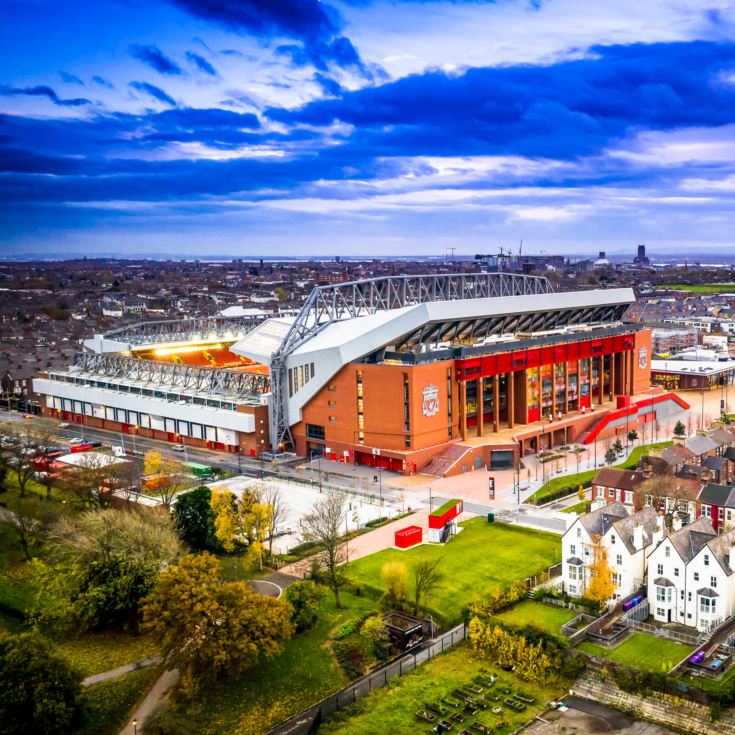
(676, 526)
(638, 537)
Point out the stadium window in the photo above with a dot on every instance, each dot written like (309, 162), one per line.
(312, 369)
(315, 431)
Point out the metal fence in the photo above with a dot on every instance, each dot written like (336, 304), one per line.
(688, 640)
(308, 721)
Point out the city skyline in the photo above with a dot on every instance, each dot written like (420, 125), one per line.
(195, 127)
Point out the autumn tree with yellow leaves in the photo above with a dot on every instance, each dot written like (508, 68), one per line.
(600, 587)
(247, 518)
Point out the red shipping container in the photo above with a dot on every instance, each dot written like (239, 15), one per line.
(409, 536)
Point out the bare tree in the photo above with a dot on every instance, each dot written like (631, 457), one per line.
(271, 496)
(22, 445)
(90, 480)
(664, 493)
(323, 526)
(426, 579)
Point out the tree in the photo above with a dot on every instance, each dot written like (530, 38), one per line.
(581, 494)
(278, 512)
(426, 579)
(166, 476)
(680, 430)
(26, 518)
(375, 631)
(393, 575)
(209, 628)
(92, 480)
(323, 526)
(618, 446)
(304, 597)
(665, 494)
(632, 435)
(39, 691)
(101, 564)
(600, 587)
(610, 456)
(194, 519)
(22, 446)
(244, 518)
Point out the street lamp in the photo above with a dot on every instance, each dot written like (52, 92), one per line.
(312, 452)
(135, 726)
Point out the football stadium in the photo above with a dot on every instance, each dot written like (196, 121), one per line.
(437, 374)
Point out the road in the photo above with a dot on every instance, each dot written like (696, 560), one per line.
(235, 464)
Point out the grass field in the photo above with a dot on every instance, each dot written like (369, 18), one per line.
(581, 507)
(546, 617)
(702, 287)
(641, 651)
(111, 703)
(304, 673)
(392, 709)
(585, 478)
(480, 559)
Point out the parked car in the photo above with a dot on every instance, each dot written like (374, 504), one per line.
(63, 425)
(178, 448)
(76, 440)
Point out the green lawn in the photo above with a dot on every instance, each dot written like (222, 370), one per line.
(93, 653)
(585, 478)
(481, 558)
(392, 709)
(303, 674)
(641, 651)
(702, 287)
(111, 703)
(546, 617)
(581, 507)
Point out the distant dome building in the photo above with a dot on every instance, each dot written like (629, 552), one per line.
(602, 261)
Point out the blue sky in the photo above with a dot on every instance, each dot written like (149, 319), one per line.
(199, 127)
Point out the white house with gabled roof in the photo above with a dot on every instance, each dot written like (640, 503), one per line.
(626, 539)
(691, 577)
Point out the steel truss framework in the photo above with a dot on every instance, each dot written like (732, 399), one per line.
(217, 381)
(469, 330)
(327, 304)
(183, 330)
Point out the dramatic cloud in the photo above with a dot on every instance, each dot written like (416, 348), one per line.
(43, 91)
(152, 56)
(201, 63)
(314, 24)
(70, 78)
(153, 91)
(102, 82)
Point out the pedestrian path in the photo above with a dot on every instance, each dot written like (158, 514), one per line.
(155, 697)
(120, 670)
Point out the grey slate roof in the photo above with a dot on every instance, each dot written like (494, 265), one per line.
(646, 517)
(715, 463)
(575, 561)
(730, 453)
(707, 592)
(700, 444)
(601, 520)
(663, 582)
(720, 547)
(691, 539)
(677, 454)
(722, 496)
(722, 437)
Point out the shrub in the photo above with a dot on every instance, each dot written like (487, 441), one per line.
(304, 598)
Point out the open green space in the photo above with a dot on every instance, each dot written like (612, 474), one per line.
(641, 651)
(546, 617)
(702, 287)
(305, 672)
(581, 507)
(711, 686)
(392, 709)
(110, 704)
(572, 482)
(481, 558)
